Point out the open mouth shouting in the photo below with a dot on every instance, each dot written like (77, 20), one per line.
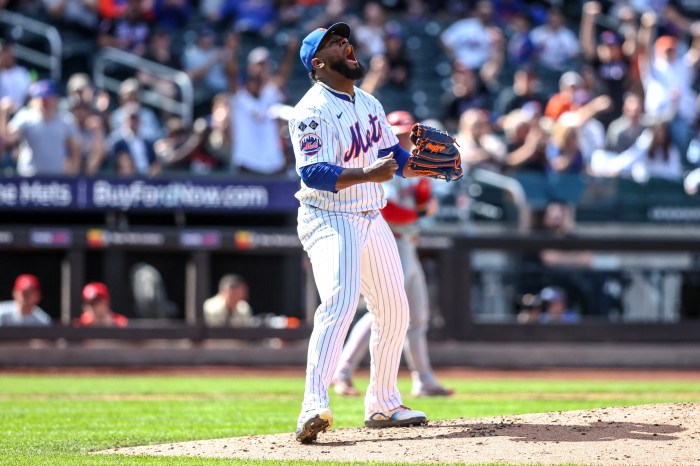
(350, 55)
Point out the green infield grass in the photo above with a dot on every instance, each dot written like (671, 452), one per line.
(59, 419)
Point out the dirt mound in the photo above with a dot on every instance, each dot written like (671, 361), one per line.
(646, 434)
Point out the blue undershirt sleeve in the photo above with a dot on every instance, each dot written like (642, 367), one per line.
(321, 176)
(401, 155)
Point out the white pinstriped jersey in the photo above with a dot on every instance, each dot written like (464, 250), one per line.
(330, 126)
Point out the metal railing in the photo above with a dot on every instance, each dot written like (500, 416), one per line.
(18, 25)
(182, 107)
(511, 186)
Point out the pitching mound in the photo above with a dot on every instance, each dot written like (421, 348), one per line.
(647, 434)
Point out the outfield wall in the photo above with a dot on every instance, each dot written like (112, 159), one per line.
(275, 353)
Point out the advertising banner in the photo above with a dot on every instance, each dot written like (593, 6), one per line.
(137, 194)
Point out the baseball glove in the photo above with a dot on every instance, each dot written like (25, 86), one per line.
(435, 154)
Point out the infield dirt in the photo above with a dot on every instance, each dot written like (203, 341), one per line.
(647, 434)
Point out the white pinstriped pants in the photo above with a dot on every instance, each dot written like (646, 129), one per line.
(353, 254)
(416, 347)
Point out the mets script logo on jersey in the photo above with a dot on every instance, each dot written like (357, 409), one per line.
(310, 144)
(362, 144)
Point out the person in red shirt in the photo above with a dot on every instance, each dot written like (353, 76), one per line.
(96, 308)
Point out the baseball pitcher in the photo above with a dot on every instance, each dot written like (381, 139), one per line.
(344, 150)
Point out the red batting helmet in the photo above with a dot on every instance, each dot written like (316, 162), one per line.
(94, 291)
(401, 121)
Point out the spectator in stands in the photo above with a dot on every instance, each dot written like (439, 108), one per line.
(370, 32)
(520, 49)
(91, 138)
(257, 147)
(96, 308)
(182, 148)
(75, 17)
(609, 57)
(626, 19)
(563, 152)
(160, 51)
(172, 15)
(663, 157)
(466, 93)
(525, 90)
(229, 307)
(250, 17)
(79, 88)
(390, 72)
(526, 142)
(478, 144)
(628, 127)
(653, 155)
(217, 136)
(555, 307)
(590, 131)
(48, 139)
(14, 78)
(668, 79)
(133, 154)
(207, 64)
(591, 82)
(24, 309)
(130, 96)
(128, 32)
(569, 96)
(471, 41)
(399, 64)
(557, 46)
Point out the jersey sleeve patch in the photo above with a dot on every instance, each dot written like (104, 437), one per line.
(310, 144)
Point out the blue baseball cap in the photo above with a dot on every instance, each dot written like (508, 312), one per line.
(310, 44)
(43, 89)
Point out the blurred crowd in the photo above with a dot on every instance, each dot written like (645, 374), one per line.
(606, 89)
(551, 93)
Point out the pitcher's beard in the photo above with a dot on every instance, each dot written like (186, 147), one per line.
(341, 66)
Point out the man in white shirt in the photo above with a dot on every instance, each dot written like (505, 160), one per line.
(23, 309)
(257, 147)
(557, 45)
(14, 79)
(204, 62)
(230, 305)
(668, 80)
(470, 41)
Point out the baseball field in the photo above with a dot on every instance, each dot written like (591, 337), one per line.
(64, 418)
